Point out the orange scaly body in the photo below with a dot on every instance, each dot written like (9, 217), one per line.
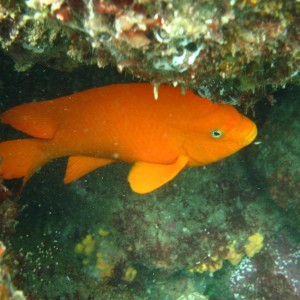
(123, 122)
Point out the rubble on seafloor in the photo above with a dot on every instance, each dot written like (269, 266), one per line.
(234, 51)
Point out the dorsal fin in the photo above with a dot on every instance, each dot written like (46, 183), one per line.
(36, 119)
(79, 166)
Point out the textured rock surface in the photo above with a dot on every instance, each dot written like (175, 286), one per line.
(235, 51)
(278, 158)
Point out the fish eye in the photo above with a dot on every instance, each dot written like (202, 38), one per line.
(216, 133)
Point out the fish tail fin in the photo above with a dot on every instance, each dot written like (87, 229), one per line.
(21, 158)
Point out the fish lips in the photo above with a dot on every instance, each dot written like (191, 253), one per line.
(250, 134)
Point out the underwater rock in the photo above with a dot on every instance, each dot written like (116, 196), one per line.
(7, 289)
(205, 217)
(9, 211)
(234, 51)
(89, 234)
(206, 220)
(278, 155)
(273, 274)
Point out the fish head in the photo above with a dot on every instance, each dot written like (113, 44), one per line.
(217, 134)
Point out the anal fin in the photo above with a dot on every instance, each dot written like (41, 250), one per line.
(146, 177)
(79, 166)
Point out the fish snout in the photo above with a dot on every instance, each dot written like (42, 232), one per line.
(250, 132)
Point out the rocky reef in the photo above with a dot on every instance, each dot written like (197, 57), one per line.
(226, 231)
(233, 51)
(280, 154)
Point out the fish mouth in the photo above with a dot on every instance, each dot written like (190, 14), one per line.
(249, 138)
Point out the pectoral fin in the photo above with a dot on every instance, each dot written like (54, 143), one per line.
(147, 177)
(79, 166)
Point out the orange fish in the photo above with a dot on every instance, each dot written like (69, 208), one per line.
(123, 122)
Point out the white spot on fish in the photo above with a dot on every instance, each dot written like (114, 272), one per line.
(115, 155)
